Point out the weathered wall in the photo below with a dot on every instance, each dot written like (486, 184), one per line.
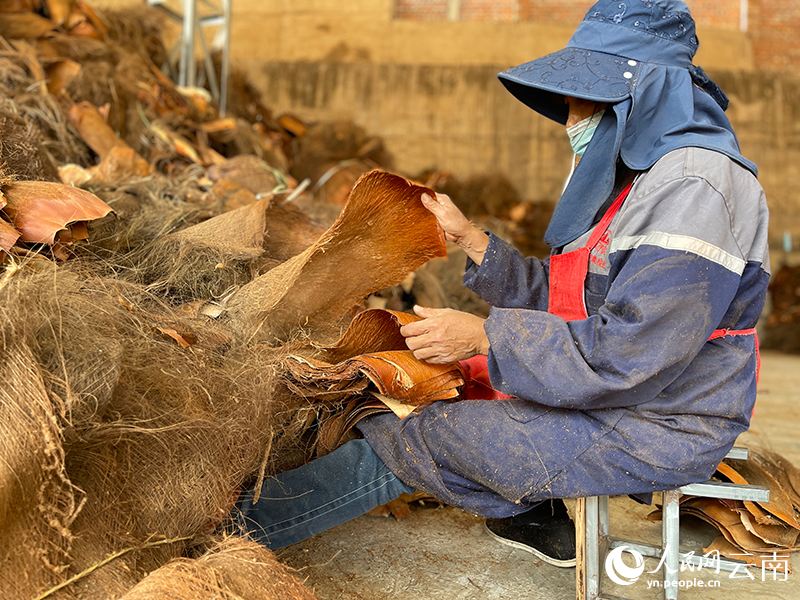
(365, 31)
(452, 117)
(765, 112)
(775, 31)
(462, 119)
(429, 87)
(724, 14)
(469, 10)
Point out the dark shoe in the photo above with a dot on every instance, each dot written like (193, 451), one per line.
(546, 531)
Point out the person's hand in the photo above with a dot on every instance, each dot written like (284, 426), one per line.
(445, 335)
(457, 228)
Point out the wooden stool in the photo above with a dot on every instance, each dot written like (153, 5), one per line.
(594, 542)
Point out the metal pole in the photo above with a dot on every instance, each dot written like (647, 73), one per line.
(211, 75)
(743, 14)
(226, 57)
(671, 540)
(186, 74)
(453, 10)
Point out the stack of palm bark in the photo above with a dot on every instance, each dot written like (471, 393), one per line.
(370, 369)
(760, 534)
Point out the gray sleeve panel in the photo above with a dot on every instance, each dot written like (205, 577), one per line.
(698, 201)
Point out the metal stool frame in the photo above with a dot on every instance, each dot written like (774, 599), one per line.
(594, 541)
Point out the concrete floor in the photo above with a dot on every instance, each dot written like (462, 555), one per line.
(445, 554)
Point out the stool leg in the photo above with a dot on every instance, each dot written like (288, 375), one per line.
(670, 539)
(602, 523)
(587, 568)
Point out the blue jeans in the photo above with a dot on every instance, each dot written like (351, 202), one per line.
(326, 492)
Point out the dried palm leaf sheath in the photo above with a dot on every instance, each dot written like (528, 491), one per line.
(374, 330)
(784, 472)
(24, 26)
(93, 129)
(753, 531)
(727, 521)
(235, 570)
(59, 75)
(248, 171)
(240, 231)
(374, 372)
(372, 350)
(383, 233)
(59, 10)
(231, 195)
(8, 236)
(728, 472)
(204, 260)
(755, 559)
(39, 209)
(779, 505)
(396, 374)
(18, 6)
(117, 159)
(778, 535)
(334, 430)
(120, 163)
(289, 231)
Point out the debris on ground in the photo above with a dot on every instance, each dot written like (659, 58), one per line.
(758, 533)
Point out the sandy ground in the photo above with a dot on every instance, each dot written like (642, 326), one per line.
(445, 554)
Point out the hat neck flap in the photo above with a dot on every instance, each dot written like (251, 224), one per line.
(592, 182)
(670, 112)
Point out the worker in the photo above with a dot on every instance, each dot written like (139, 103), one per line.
(628, 358)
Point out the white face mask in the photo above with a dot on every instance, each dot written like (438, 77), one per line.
(581, 133)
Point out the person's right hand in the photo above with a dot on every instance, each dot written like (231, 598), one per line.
(445, 335)
(457, 228)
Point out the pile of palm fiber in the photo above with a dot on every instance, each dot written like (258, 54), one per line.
(134, 440)
(231, 570)
(143, 337)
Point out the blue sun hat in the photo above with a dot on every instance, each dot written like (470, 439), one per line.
(637, 56)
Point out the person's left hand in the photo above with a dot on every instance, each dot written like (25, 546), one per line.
(445, 335)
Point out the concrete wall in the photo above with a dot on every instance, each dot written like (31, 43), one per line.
(766, 115)
(775, 31)
(429, 87)
(365, 31)
(456, 118)
(460, 118)
(723, 14)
